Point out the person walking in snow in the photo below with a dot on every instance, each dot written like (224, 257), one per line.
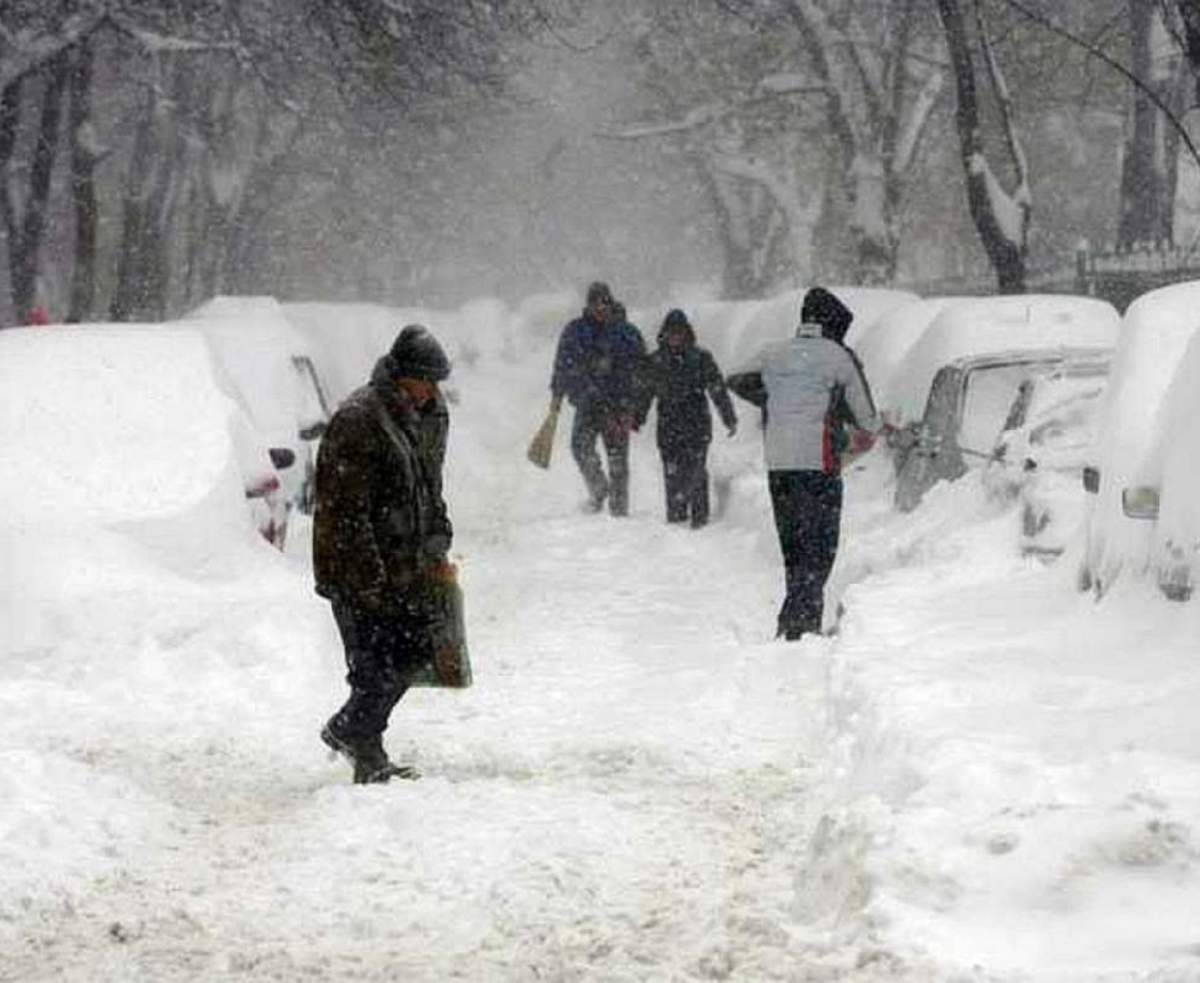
(380, 532)
(597, 367)
(682, 377)
(800, 383)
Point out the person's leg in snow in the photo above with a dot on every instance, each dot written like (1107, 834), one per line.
(616, 446)
(696, 477)
(382, 649)
(807, 507)
(585, 431)
(673, 487)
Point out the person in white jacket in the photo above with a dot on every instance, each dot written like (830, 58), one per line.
(799, 383)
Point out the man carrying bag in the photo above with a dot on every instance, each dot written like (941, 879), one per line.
(381, 535)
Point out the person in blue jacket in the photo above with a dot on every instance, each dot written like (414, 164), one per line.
(597, 368)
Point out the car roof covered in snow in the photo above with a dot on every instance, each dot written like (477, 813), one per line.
(102, 424)
(994, 325)
(778, 317)
(253, 343)
(883, 348)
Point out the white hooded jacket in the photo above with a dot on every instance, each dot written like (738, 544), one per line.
(803, 378)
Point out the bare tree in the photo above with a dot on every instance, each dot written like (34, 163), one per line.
(1001, 216)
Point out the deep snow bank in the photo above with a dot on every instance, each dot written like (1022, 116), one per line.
(121, 494)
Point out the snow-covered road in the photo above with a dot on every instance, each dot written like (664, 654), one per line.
(621, 796)
(985, 776)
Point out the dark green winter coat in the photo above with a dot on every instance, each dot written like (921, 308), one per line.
(682, 383)
(380, 519)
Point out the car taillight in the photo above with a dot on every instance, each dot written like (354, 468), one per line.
(263, 488)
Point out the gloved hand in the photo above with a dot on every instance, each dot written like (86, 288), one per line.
(861, 441)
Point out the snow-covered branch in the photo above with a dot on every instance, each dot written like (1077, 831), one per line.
(28, 53)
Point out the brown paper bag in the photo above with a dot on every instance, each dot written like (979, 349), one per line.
(542, 445)
(451, 665)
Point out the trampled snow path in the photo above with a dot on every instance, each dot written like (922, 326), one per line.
(622, 796)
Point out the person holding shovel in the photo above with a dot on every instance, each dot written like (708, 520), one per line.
(598, 367)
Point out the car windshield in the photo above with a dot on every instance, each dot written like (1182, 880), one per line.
(987, 397)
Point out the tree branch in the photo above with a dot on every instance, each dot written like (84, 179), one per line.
(1112, 63)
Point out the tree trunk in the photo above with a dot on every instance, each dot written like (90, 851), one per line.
(83, 186)
(25, 249)
(10, 118)
(144, 264)
(1005, 245)
(1147, 188)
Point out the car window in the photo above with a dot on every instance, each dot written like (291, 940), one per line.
(1064, 414)
(988, 396)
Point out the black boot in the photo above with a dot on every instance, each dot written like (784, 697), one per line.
(370, 761)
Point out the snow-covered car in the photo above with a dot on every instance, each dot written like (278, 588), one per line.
(1048, 439)
(882, 348)
(1165, 493)
(269, 368)
(91, 425)
(777, 317)
(1135, 433)
(952, 393)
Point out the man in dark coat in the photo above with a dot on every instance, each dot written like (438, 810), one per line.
(597, 368)
(380, 531)
(682, 377)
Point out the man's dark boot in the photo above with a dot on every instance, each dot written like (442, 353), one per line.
(370, 761)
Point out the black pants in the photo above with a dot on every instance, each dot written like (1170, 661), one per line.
(808, 513)
(382, 651)
(592, 423)
(685, 477)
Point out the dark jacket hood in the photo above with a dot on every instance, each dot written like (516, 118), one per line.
(823, 308)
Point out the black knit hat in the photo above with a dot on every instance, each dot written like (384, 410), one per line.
(675, 319)
(823, 308)
(597, 292)
(416, 354)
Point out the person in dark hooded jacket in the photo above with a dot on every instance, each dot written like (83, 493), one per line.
(682, 377)
(380, 530)
(596, 367)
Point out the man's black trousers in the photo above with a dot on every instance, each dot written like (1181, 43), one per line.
(592, 423)
(685, 477)
(808, 513)
(383, 650)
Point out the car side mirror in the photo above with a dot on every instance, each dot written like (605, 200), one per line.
(282, 457)
(1091, 480)
(1140, 502)
(313, 430)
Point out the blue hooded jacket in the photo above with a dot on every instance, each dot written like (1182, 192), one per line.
(598, 366)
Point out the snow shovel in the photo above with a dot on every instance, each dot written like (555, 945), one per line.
(542, 445)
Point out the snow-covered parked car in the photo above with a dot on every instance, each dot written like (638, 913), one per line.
(1168, 485)
(110, 425)
(777, 317)
(269, 368)
(1135, 430)
(1049, 437)
(883, 346)
(953, 391)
